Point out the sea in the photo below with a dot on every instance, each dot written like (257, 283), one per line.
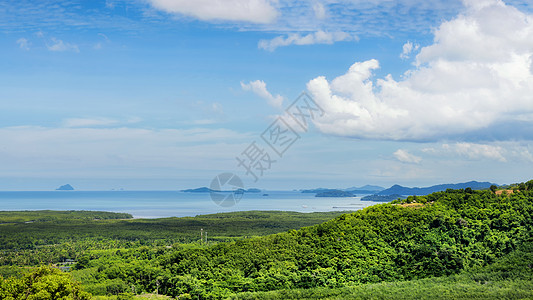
(160, 204)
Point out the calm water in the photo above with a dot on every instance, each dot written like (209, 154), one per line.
(157, 204)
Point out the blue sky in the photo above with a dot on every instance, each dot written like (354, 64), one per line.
(165, 94)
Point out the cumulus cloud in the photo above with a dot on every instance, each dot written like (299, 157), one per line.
(407, 49)
(319, 37)
(24, 44)
(406, 157)
(254, 11)
(475, 77)
(259, 88)
(60, 46)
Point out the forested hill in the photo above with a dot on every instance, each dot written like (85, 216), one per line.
(435, 235)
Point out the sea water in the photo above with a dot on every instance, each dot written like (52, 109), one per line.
(159, 204)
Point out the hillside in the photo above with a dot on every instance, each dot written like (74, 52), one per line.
(441, 234)
(510, 277)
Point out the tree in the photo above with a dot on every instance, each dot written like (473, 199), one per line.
(43, 283)
(529, 185)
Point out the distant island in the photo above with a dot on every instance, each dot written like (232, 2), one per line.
(208, 190)
(367, 189)
(314, 191)
(406, 191)
(382, 198)
(66, 187)
(199, 190)
(335, 193)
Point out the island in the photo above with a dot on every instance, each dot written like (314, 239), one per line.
(199, 190)
(208, 190)
(367, 189)
(335, 193)
(318, 190)
(66, 187)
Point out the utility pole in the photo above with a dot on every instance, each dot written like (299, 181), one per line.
(201, 235)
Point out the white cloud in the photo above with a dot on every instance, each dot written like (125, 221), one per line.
(406, 157)
(477, 151)
(254, 11)
(474, 78)
(24, 44)
(319, 37)
(502, 151)
(60, 46)
(320, 10)
(407, 49)
(259, 88)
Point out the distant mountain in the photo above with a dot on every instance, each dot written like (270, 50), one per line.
(66, 187)
(335, 193)
(367, 189)
(406, 191)
(373, 188)
(318, 190)
(208, 190)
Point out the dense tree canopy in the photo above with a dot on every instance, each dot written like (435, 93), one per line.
(42, 284)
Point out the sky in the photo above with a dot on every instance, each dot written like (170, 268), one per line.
(167, 94)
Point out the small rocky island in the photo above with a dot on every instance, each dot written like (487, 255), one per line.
(66, 187)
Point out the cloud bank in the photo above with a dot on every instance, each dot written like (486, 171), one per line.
(475, 77)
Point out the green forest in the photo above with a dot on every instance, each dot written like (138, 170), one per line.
(455, 244)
